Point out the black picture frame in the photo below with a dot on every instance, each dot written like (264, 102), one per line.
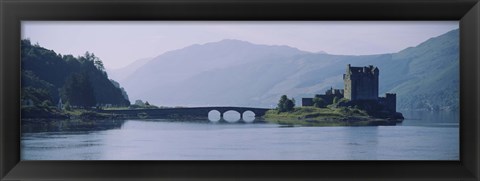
(12, 12)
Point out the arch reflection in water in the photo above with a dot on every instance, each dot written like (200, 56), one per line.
(248, 116)
(214, 116)
(231, 116)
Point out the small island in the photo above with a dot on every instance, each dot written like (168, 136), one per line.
(329, 116)
(357, 105)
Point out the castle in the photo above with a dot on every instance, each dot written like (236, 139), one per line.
(361, 89)
(361, 83)
(329, 95)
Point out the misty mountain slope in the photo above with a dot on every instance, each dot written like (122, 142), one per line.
(306, 76)
(238, 73)
(317, 75)
(262, 82)
(227, 86)
(175, 66)
(124, 72)
(433, 71)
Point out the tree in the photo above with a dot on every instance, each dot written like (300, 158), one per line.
(89, 56)
(285, 104)
(139, 102)
(117, 85)
(99, 64)
(319, 102)
(289, 105)
(47, 70)
(78, 91)
(281, 103)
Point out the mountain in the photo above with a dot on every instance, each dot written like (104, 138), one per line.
(122, 73)
(431, 74)
(171, 68)
(239, 73)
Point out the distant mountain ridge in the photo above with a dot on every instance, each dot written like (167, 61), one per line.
(124, 72)
(179, 65)
(239, 73)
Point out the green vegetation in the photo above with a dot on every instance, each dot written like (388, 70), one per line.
(339, 112)
(319, 102)
(139, 104)
(328, 116)
(78, 91)
(335, 100)
(285, 104)
(48, 77)
(42, 111)
(63, 87)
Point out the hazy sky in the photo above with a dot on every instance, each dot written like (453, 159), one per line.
(118, 44)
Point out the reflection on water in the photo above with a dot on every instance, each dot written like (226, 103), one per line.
(427, 118)
(248, 116)
(422, 136)
(29, 126)
(231, 116)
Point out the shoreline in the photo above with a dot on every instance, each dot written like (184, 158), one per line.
(303, 116)
(311, 116)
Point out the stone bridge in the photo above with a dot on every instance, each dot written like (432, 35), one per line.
(186, 112)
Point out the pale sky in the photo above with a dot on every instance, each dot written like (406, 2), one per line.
(120, 43)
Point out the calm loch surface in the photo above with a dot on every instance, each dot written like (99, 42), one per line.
(422, 136)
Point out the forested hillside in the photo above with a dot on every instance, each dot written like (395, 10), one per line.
(81, 81)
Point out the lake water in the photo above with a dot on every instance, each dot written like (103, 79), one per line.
(422, 136)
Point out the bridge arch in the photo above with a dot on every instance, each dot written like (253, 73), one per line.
(188, 112)
(214, 115)
(232, 116)
(248, 116)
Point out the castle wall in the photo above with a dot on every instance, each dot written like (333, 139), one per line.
(389, 102)
(327, 97)
(361, 83)
(347, 87)
(366, 88)
(307, 101)
(361, 88)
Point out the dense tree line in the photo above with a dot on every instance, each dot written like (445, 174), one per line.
(80, 81)
(78, 91)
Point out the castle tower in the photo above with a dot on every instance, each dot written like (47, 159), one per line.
(361, 83)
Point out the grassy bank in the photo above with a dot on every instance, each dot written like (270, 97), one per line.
(312, 116)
